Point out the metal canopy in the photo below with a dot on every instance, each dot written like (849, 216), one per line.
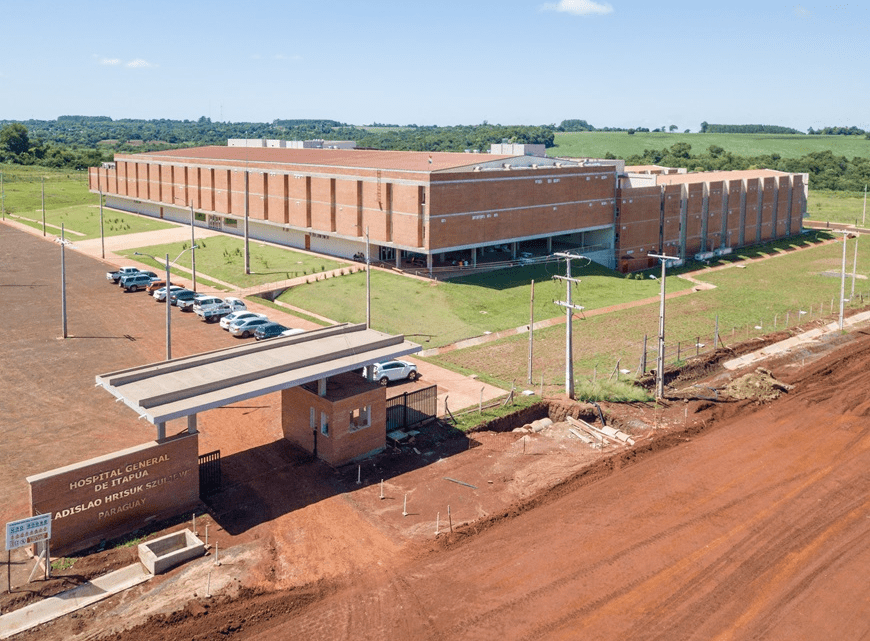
(181, 387)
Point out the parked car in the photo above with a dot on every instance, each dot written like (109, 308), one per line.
(182, 295)
(269, 330)
(394, 371)
(186, 304)
(124, 271)
(246, 326)
(210, 312)
(206, 301)
(229, 318)
(160, 294)
(135, 282)
(122, 282)
(154, 285)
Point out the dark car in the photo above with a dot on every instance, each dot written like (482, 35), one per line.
(183, 294)
(269, 330)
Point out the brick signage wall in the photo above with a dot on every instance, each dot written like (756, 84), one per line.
(112, 495)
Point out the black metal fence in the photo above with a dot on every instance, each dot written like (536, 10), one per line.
(411, 408)
(209, 473)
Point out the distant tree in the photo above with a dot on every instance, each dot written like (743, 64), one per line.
(704, 127)
(672, 128)
(631, 132)
(715, 150)
(687, 131)
(15, 139)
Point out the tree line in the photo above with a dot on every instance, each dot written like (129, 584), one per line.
(826, 171)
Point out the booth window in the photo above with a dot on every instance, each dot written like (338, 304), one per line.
(324, 423)
(360, 418)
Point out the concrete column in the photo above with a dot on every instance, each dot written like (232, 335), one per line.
(161, 431)
(321, 387)
(191, 424)
(549, 244)
(474, 256)
(398, 256)
(513, 251)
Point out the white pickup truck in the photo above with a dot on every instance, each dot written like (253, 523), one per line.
(212, 309)
(124, 271)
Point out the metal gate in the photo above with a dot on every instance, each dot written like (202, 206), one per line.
(411, 408)
(209, 473)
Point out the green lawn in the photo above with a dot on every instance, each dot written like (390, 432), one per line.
(22, 186)
(82, 222)
(745, 299)
(596, 144)
(452, 310)
(222, 258)
(836, 207)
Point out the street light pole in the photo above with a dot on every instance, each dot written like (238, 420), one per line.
(192, 247)
(168, 315)
(660, 361)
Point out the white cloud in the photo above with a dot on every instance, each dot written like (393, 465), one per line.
(139, 63)
(111, 62)
(801, 12)
(579, 7)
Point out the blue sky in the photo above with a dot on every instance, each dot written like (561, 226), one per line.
(615, 63)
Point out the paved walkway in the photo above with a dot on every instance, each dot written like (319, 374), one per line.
(72, 600)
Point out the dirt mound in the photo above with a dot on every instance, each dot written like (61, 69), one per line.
(759, 385)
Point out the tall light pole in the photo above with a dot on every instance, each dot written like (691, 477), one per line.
(368, 283)
(102, 234)
(168, 298)
(660, 361)
(63, 277)
(192, 247)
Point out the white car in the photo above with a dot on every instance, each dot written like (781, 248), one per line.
(229, 318)
(393, 371)
(246, 326)
(160, 294)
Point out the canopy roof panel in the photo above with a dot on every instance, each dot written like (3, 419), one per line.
(181, 387)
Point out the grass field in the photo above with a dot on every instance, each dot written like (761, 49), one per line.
(452, 310)
(747, 301)
(836, 207)
(222, 258)
(596, 144)
(22, 186)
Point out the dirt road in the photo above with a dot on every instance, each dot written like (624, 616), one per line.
(758, 527)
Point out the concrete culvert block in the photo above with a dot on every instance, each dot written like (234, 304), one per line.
(165, 552)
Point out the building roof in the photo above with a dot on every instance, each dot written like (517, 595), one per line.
(420, 161)
(367, 159)
(713, 176)
(173, 389)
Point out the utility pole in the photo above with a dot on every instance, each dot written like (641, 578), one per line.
(102, 234)
(2, 197)
(368, 284)
(843, 279)
(63, 277)
(531, 329)
(168, 315)
(854, 267)
(569, 312)
(247, 254)
(660, 362)
(192, 247)
(864, 217)
(43, 206)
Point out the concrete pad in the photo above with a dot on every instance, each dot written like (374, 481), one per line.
(794, 341)
(72, 600)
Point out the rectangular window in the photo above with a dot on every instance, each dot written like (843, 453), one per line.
(231, 222)
(312, 419)
(360, 418)
(324, 424)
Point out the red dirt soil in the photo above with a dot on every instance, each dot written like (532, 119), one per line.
(735, 520)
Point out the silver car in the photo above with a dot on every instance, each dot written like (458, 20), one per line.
(238, 315)
(246, 326)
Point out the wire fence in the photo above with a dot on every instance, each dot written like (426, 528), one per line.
(633, 359)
